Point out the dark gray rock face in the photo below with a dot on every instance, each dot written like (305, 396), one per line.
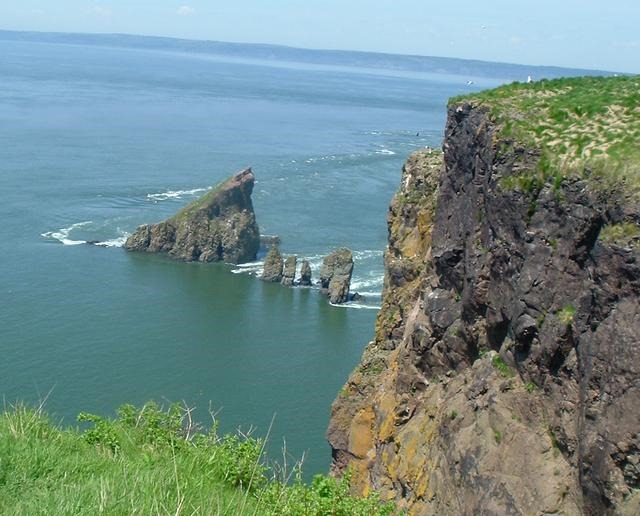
(305, 274)
(427, 418)
(289, 271)
(220, 226)
(273, 265)
(335, 275)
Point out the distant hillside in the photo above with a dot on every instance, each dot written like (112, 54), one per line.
(465, 67)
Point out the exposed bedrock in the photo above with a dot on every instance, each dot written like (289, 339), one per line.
(289, 271)
(335, 275)
(219, 226)
(504, 377)
(273, 265)
(305, 274)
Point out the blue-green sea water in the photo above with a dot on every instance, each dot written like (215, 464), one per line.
(95, 141)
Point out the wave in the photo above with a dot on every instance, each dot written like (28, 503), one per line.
(253, 268)
(114, 242)
(367, 253)
(364, 293)
(358, 283)
(386, 152)
(62, 234)
(358, 306)
(174, 194)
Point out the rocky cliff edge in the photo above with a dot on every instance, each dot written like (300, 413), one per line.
(504, 377)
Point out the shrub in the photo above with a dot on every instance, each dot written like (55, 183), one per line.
(502, 366)
(566, 315)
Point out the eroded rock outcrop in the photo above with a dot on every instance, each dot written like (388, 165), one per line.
(289, 271)
(273, 265)
(305, 274)
(335, 275)
(220, 226)
(504, 377)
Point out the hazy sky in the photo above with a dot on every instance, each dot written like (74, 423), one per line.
(587, 33)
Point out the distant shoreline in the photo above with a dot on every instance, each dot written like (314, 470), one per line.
(396, 62)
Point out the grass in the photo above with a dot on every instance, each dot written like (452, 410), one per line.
(566, 315)
(586, 127)
(201, 202)
(152, 461)
(624, 233)
(502, 366)
(530, 387)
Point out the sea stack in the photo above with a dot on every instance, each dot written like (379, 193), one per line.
(305, 274)
(273, 265)
(289, 271)
(335, 275)
(219, 226)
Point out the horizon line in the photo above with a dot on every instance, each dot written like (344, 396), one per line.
(308, 49)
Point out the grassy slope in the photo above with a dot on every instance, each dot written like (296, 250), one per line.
(149, 462)
(194, 206)
(585, 127)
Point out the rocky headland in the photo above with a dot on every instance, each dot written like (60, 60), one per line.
(504, 376)
(219, 226)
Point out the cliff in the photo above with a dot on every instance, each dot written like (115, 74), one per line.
(219, 226)
(504, 377)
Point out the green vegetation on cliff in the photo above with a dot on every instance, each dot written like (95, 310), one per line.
(151, 461)
(586, 127)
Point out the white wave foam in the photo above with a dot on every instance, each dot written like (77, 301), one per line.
(358, 306)
(386, 152)
(362, 283)
(367, 253)
(254, 268)
(114, 242)
(369, 294)
(62, 234)
(174, 194)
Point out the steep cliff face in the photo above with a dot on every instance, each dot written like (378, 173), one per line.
(504, 377)
(220, 226)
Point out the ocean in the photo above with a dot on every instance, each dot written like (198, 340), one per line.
(95, 140)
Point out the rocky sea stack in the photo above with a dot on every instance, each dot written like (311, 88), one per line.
(504, 377)
(335, 275)
(219, 226)
(273, 265)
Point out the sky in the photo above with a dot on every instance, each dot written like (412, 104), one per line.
(594, 34)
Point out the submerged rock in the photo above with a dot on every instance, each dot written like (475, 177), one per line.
(335, 275)
(289, 271)
(305, 274)
(273, 265)
(219, 226)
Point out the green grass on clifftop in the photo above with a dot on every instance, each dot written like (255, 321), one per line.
(201, 202)
(151, 461)
(587, 127)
